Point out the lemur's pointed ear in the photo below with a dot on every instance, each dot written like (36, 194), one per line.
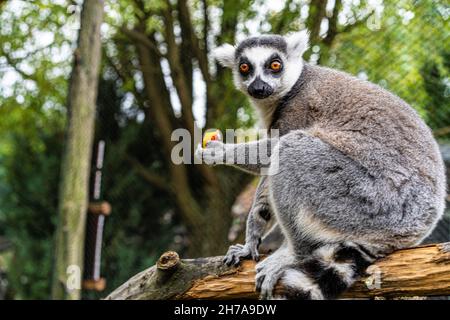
(297, 43)
(225, 55)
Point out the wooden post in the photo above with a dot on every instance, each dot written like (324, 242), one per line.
(97, 211)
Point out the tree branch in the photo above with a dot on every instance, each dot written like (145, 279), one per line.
(2, 2)
(155, 90)
(205, 25)
(180, 79)
(13, 64)
(420, 271)
(333, 24)
(154, 179)
(441, 131)
(284, 20)
(138, 36)
(229, 21)
(186, 25)
(350, 27)
(177, 74)
(317, 11)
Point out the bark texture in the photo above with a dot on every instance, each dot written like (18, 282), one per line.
(420, 271)
(74, 185)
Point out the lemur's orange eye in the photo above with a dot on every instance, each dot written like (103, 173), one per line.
(275, 65)
(244, 68)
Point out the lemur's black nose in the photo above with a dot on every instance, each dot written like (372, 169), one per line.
(259, 89)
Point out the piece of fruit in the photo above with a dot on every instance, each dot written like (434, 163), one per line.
(211, 135)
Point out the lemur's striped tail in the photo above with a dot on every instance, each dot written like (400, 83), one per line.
(331, 270)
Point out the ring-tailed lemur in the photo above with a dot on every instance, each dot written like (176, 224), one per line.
(359, 172)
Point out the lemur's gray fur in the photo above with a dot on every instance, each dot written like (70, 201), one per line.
(359, 172)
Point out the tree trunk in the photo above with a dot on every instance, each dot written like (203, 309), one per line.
(74, 185)
(420, 271)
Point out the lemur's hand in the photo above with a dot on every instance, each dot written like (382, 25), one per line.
(270, 270)
(213, 153)
(238, 252)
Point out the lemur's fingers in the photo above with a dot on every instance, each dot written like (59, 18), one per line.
(213, 153)
(255, 255)
(271, 269)
(214, 144)
(260, 266)
(229, 259)
(268, 272)
(269, 284)
(235, 254)
(259, 281)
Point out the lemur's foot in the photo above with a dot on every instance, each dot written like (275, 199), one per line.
(213, 153)
(238, 252)
(269, 271)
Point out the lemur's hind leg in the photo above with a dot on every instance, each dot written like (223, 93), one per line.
(328, 208)
(259, 215)
(271, 269)
(269, 243)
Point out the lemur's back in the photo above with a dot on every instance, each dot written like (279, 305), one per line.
(368, 124)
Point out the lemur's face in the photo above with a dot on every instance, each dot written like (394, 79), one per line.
(265, 67)
(259, 71)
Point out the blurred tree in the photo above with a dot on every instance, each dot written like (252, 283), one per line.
(75, 167)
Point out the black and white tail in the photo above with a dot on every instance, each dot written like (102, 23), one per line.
(330, 271)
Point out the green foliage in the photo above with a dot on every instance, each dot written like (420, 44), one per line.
(33, 73)
(28, 209)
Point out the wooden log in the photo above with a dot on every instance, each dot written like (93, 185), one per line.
(419, 271)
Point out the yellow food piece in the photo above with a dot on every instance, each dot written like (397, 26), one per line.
(211, 135)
